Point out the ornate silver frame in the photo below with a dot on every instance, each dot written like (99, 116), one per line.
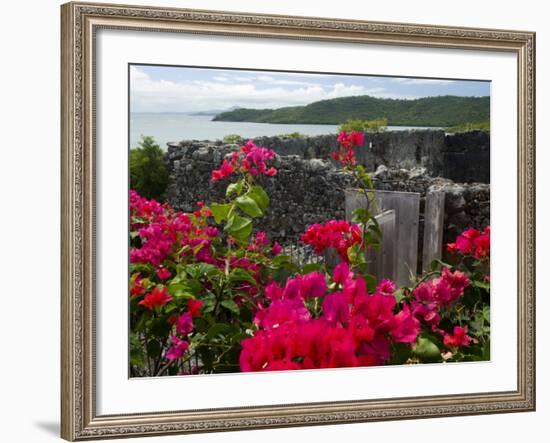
(80, 21)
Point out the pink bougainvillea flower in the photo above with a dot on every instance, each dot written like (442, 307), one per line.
(341, 273)
(292, 288)
(354, 329)
(226, 169)
(261, 238)
(442, 290)
(336, 308)
(184, 323)
(386, 287)
(458, 281)
(158, 297)
(451, 247)
(406, 327)
(271, 172)
(356, 289)
(313, 284)
(178, 348)
(276, 249)
(280, 312)
(194, 307)
(427, 312)
(482, 244)
(273, 291)
(212, 231)
(459, 338)
(164, 273)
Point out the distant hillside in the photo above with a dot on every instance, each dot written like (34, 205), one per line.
(447, 110)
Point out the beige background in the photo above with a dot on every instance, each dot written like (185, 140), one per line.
(29, 242)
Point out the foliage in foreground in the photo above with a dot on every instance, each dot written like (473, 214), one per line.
(467, 127)
(232, 138)
(378, 125)
(148, 173)
(210, 294)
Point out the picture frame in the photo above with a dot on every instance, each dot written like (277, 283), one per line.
(80, 244)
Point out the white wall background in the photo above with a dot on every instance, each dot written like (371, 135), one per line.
(29, 218)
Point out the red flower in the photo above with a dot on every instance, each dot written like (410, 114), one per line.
(355, 328)
(347, 142)
(136, 285)
(194, 307)
(337, 234)
(163, 273)
(458, 338)
(225, 170)
(158, 297)
(473, 242)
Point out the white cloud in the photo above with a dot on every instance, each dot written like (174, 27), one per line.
(222, 92)
(421, 81)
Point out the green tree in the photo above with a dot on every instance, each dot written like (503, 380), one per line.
(378, 125)
(148, 174)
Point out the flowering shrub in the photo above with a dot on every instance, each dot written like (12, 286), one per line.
(209, 293)
(454, 306)
(350, 327)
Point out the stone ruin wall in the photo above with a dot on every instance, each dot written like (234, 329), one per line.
(309, 187)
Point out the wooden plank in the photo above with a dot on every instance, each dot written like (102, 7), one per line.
(407, 210)
(434, 212)
(382, 262)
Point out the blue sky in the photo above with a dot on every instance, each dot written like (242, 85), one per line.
(180, 89)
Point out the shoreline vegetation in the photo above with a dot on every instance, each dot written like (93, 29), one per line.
(440, 111)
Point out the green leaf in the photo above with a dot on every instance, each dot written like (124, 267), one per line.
(220, 211)
(401, 352)
(136, 351)
(371, 282)
(486, 351)
(480, 284)
(239, 227)
(153, 348)
(261, 198)
(427, 350)
(486, 314)
(159, 327)
(240, 275)
(231, 305)
(399, 294)
(217, 329)
(235, 188)
(249, 206)
(179, 290)
(356, 255)
(311, 267)
(281, 260)
(198, 270)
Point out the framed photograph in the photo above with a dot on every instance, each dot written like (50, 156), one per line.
(283, 221)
